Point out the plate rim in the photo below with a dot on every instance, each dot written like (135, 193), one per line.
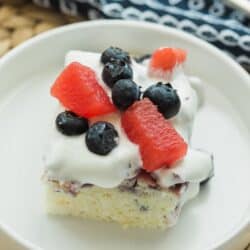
(143, 25)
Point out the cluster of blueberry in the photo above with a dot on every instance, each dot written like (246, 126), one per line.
(117, 74)
(102, 137)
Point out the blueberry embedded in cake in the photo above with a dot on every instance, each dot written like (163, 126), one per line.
(119, 146)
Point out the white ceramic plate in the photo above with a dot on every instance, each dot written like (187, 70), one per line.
(220, 212)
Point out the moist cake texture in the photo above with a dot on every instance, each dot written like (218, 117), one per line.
(139, 202)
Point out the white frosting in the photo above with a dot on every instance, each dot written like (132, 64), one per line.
(189, 193)
(195, 167)
(68, 158)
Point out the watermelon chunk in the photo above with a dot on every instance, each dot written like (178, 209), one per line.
(165, 59)
(160, 144)
(78, 90)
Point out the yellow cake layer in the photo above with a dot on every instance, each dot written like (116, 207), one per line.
(147, 208)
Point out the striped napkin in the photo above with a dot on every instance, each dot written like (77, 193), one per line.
(210, 20)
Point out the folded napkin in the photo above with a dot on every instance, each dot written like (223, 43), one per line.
(210, 20)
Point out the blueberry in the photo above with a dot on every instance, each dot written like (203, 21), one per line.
(115, 53)
(69, 123)
(101, 138)
(124, 93)
(165, 98)
(116, 70)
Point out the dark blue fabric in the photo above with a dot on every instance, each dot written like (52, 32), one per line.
(210, 20)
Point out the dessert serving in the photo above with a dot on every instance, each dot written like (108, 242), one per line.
(119, 148)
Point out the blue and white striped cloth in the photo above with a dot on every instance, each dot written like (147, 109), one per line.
(210, 20)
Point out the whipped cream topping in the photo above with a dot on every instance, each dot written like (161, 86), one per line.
(68, 158)
(195, 167)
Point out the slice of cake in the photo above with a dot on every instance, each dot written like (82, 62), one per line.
(118, 149)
